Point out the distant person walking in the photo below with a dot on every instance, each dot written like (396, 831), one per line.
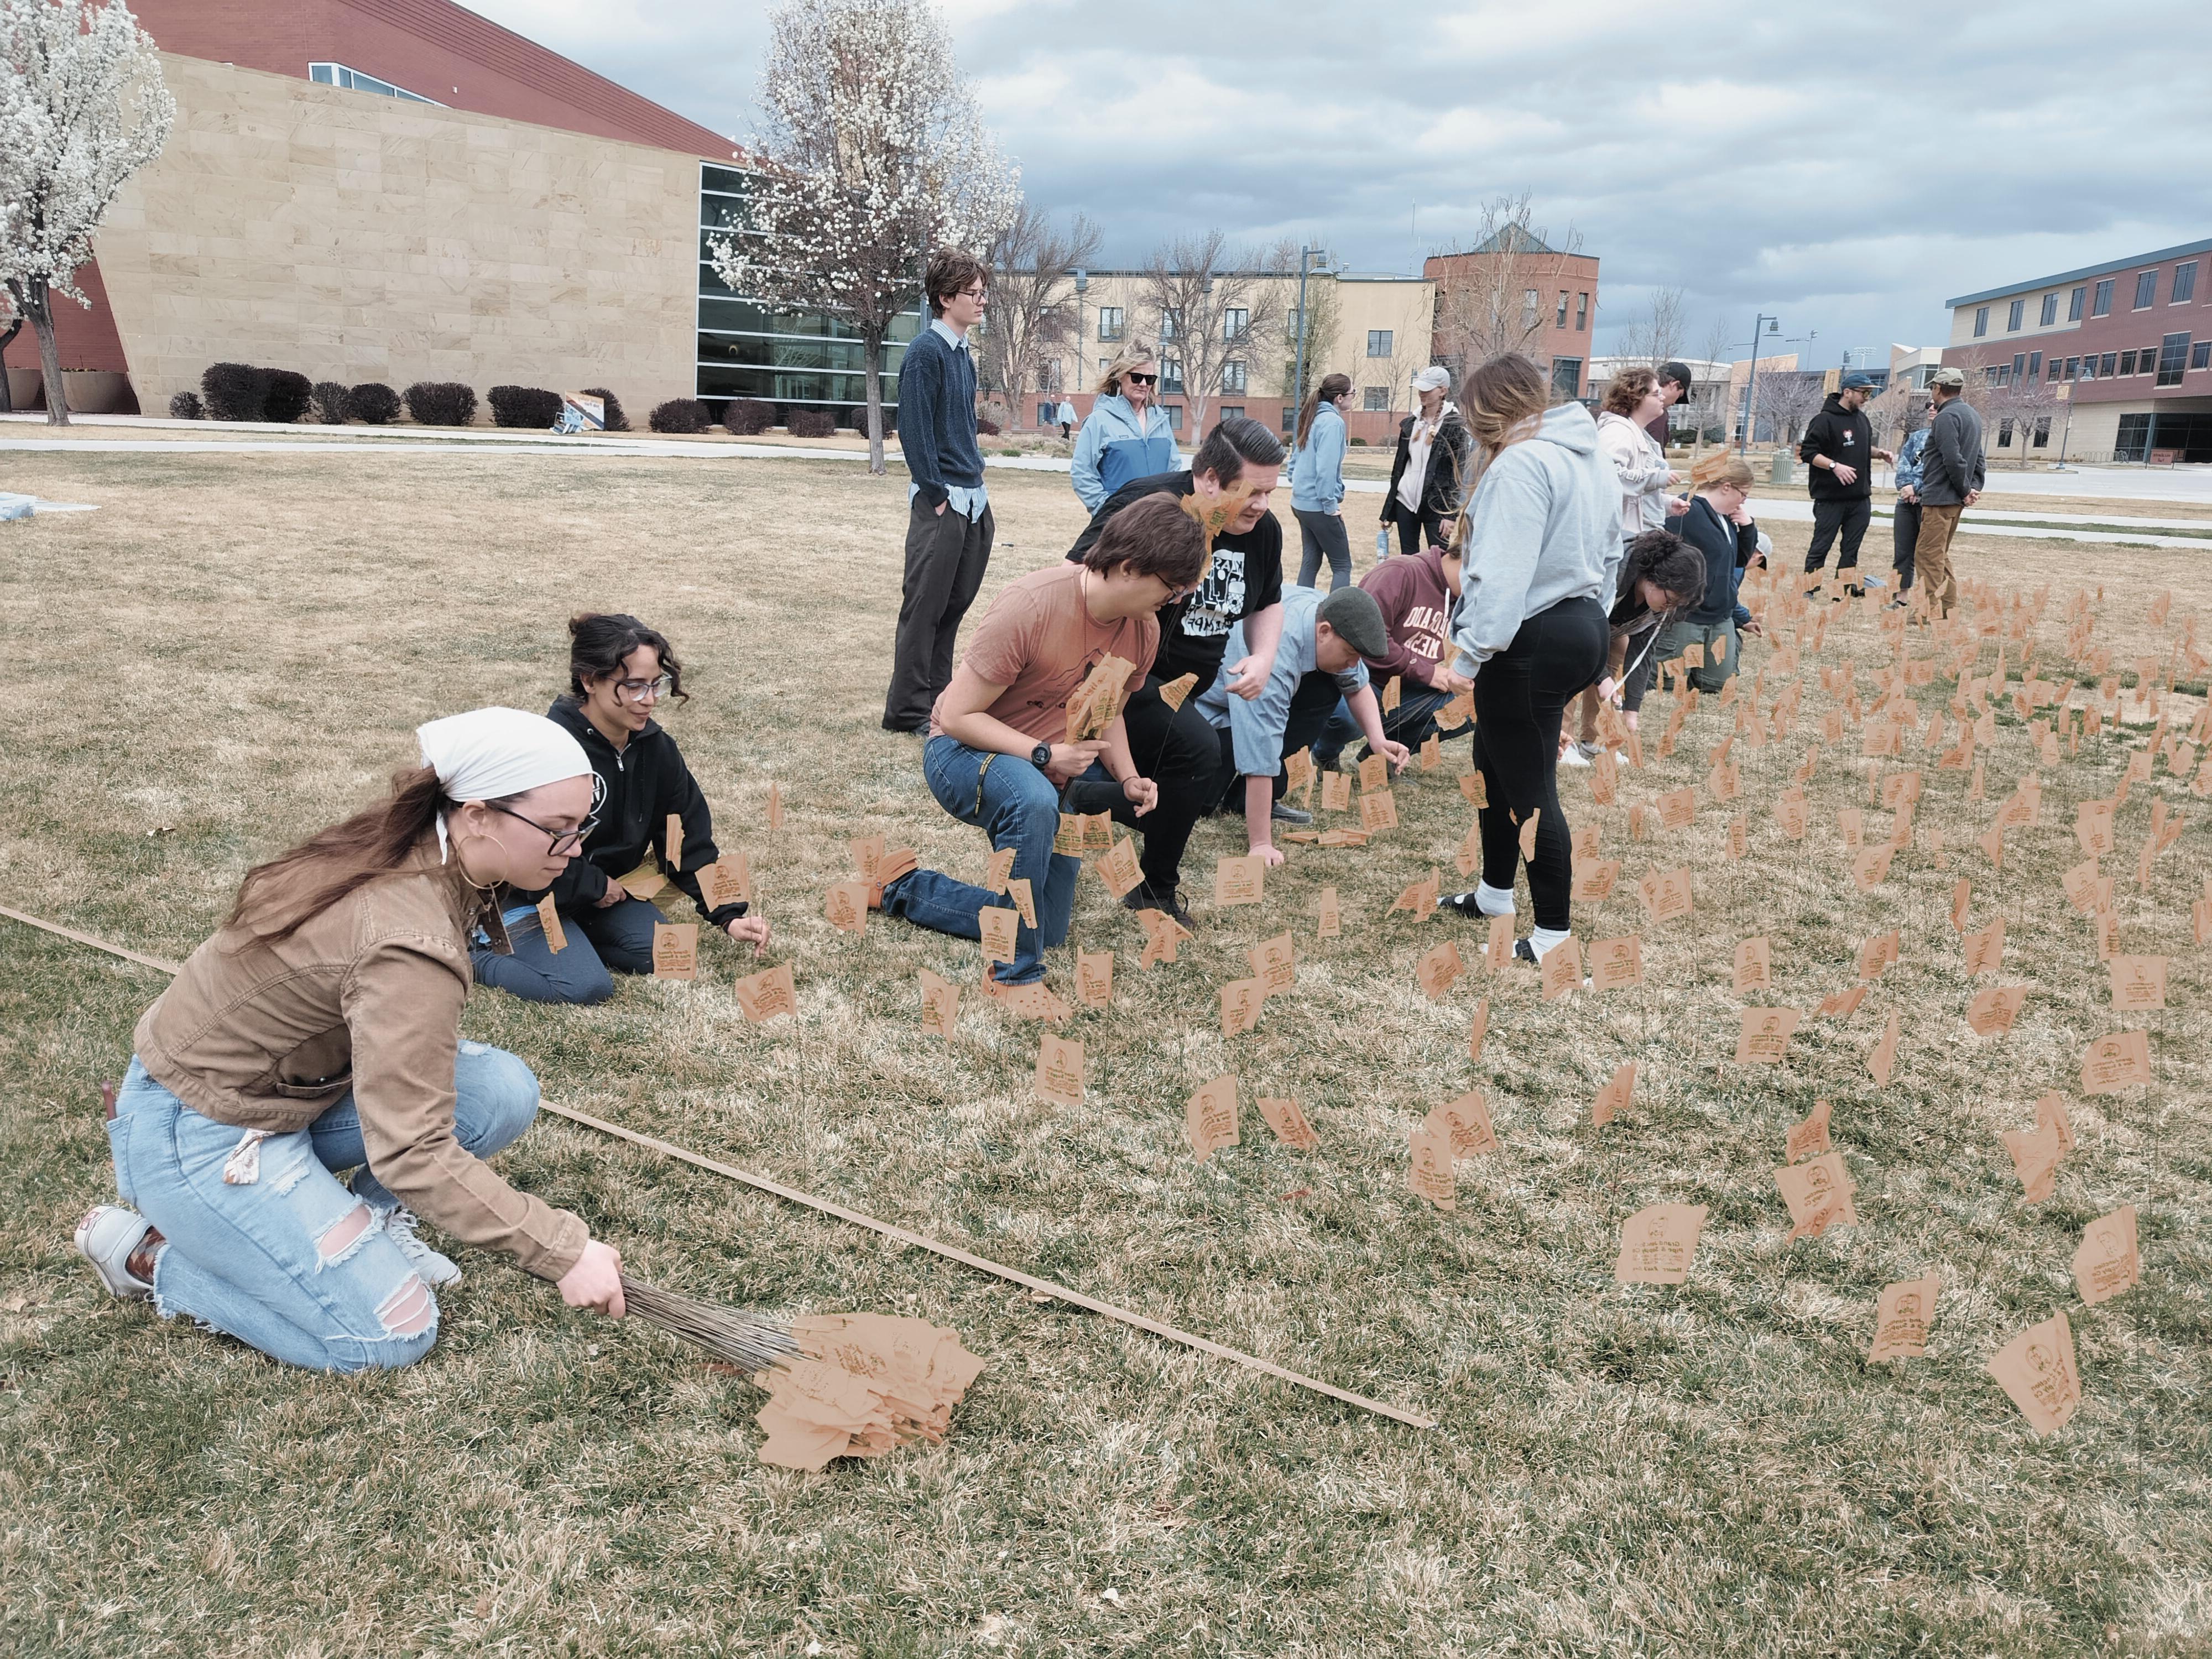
(948, 524)
(1428, 477)
(1905, 522)
(1065, 415)
(1317, 483)
(1951, 474)
(1838, 453)
(1675, 387)
(1128, 435)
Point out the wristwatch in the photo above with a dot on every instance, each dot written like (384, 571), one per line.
(1041, 756)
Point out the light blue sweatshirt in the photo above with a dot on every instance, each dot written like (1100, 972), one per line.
(1317, 469)
(1256, 727)
(1544, 526)
(1115, 447)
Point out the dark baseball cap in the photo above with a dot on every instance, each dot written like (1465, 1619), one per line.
(1858, 382)
(1357, 620)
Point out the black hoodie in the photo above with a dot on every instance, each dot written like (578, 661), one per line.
(1842, 435)
(640, 786)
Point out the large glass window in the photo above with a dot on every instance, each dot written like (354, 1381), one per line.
(1109, 323)
(1981, 321)
(1567, 376)
(2185, 283)
(2103, 306)
(1233, 375)
(1374, 397)
(2013, 315)
(806, 359)
(1235, 322)
(1378, 342)
(2074, 306)
(2173, 357)
(2146, 289)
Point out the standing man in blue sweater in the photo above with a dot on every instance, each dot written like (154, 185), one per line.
(949, 527)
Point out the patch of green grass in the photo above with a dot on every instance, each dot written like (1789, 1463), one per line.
(1711, 1469)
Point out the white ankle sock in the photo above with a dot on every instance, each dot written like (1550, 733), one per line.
(1542, 939)
(1493, 900)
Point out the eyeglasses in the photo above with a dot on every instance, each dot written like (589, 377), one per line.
(564, 840)
(642, 690)
(1141, 379)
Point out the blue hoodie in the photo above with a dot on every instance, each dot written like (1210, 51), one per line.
(1544, 526)
(1317, 469)
(1115, 447)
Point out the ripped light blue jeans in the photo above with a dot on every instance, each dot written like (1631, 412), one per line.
(289, 1262)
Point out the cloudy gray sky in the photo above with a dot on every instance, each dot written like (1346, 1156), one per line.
(1848, 166)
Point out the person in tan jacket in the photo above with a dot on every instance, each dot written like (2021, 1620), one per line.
(319, 1031)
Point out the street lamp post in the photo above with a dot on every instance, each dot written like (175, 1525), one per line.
(1751, 384)
(1299, 374)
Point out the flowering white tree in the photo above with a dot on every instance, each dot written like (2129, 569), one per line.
(872, 152)
(81, 108)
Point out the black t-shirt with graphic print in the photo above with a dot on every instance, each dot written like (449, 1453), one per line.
(1246, 576)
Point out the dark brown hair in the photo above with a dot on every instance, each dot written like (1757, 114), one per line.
(1628, 389)
(597, 642)
(1154, 537)
(950, 269)
(278, 898)
(1332, 387)
(1665, 560)
(1235, 441)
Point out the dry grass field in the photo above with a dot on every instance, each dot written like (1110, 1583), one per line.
(235, 650)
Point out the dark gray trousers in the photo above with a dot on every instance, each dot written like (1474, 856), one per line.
(945, 556)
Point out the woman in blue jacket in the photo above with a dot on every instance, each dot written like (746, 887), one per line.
(1126, 436)
(1317, 483)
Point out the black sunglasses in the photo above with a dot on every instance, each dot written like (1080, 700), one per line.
(1142, 380)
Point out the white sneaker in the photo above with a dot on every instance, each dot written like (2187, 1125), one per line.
(1572, 755)
(106, 1238)
(399, 1223)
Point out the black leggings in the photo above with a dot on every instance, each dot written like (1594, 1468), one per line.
(1520, 696)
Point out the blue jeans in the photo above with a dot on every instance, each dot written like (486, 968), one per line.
(285, 1263)
(619, 938)
(1410, 723)
(1018, 807)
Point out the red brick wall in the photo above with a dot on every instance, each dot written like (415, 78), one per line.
(431, 47)
(86, 339)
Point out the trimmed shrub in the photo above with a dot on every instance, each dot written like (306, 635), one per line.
(680, 415)
(616, 420)
(288, 396)
(234, 391)
(813, 423)
(373, 402)
(523, 406)
(986, 427)
(440, 402)
(328, 403)
(185, 406)
(748, 417)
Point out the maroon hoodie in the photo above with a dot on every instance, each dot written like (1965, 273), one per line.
(1416, 609)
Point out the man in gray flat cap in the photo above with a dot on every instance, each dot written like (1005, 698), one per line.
(1951, 472)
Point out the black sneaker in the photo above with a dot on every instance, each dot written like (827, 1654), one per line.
(1464, 903)
(1145, 896)
(1524, 950)
(1284, 812)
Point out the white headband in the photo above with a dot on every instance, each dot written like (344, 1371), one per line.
(489, 754)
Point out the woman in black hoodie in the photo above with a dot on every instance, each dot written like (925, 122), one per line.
(619, 672)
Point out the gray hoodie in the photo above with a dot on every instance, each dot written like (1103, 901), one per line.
(1544, 526)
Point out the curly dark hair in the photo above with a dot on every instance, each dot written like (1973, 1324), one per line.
(597, 642)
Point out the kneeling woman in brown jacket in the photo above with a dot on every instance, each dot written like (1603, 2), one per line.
(319, 1031)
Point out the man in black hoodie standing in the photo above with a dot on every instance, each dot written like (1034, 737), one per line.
(1838, 453)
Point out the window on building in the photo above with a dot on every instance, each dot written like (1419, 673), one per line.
(1378, 342)
(2050, 310)
(2019, 364)
(1992, 376)
(1105, 363)
(2133, 442)
(1171, 376)
(2127, 363)
(2003, 375)
(2185, 283)
(1581, 313)
(2013, 315)
(1174, 416)
(1171, 323)
(2200, 354)
(2034, 364)
(1374, 396)
(1232, 410)
(2172, 355)
(2074, 305)
(1567, 376)
(1981, 321)
(2004, 433)
(1233, 376)
(2042, 432)
(2090, 367)
(1235, 322)
(337, 75)
(1290, 418)
(2146, 289)
(1560, 321)
(2106, 364)
(2103, 306)
(2073, 368)
(2057, 368)
(1531, 307)
(1110, 324)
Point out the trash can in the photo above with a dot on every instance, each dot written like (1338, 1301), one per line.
(1784, 470)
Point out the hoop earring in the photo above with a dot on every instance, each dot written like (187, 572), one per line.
(461, 861)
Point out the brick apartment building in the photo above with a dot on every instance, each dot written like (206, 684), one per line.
(1513, 292)
(2109, 361)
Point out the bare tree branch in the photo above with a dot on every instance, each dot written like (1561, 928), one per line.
(1030, 320)
(1209, 318)
(1491, 297)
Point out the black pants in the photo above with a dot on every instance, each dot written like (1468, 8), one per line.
(1311, 705)
(1850, 515)
(946, 554)
(1520, 696)
(1323, 535)
(1415, 533)
(1905, 530)
(1176, 748)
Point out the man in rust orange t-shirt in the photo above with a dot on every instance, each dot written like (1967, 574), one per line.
(999, 755)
